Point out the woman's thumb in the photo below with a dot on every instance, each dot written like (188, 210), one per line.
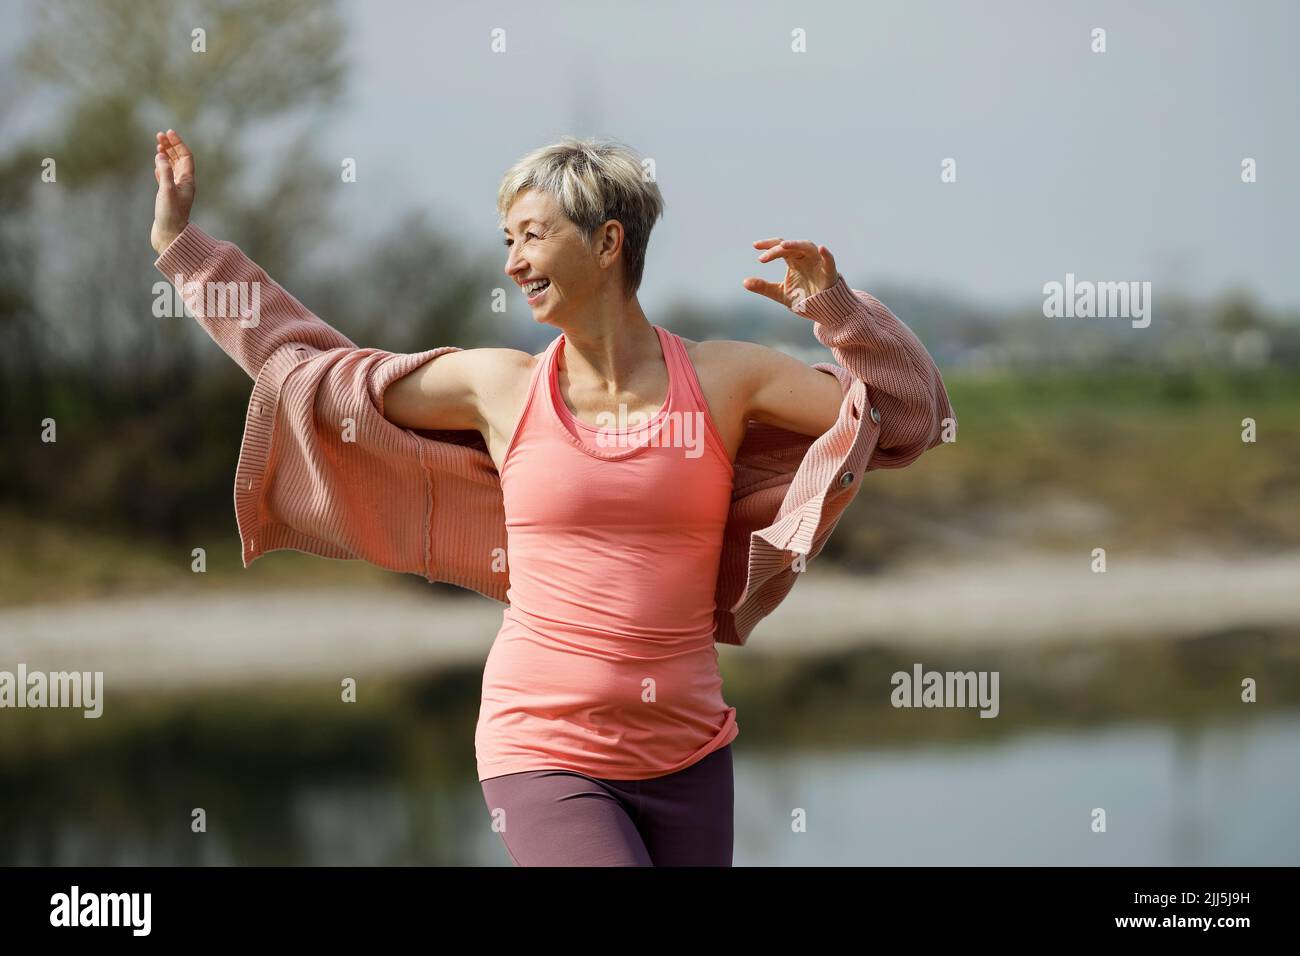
(162, 171)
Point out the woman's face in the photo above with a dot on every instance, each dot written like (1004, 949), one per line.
(542, 245)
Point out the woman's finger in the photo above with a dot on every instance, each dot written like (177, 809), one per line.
(783, 252)
(828, 260)
(803, 245)
(181, 156)
(162, 171)
(766, 243)
(772, 290)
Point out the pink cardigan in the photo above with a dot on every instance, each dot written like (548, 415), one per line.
(322, 471)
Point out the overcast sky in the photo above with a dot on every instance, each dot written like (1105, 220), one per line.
(1117, 165)
(1123, 165)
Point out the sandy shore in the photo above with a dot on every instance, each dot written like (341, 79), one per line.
(193, 640)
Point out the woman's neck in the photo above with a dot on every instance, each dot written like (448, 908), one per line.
(610, 346)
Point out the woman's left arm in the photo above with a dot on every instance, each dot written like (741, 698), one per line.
(903, 383)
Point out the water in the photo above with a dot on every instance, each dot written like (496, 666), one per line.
(1221, 793)
(1153, 732)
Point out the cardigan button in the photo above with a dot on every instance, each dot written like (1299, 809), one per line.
(875, 414)
(846, 479)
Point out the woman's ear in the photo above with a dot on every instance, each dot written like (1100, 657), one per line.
(610, 241)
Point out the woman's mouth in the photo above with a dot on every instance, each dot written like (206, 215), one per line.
(535, 291)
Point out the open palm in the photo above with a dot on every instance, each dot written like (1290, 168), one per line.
(173, 168)
(809, 269)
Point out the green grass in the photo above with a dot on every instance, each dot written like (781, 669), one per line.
(41, 562)
(1158, 457)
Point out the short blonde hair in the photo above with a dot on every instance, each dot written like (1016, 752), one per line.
(592, 181)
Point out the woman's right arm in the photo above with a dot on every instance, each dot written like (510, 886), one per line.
(477, 389)
(230, 296)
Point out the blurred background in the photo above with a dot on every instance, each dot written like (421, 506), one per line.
(1120, 690)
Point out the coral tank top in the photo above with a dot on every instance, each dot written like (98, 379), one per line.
(605, 663)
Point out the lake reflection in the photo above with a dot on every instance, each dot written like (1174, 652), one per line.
(1219, 793)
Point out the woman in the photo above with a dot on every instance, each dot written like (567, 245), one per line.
(603, 737)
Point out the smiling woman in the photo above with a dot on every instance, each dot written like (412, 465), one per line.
(576, 187)
(603, 734)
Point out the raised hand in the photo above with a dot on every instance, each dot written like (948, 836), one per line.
(173, 167)
(809, 269)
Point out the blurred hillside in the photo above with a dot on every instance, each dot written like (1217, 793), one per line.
(1233, 331)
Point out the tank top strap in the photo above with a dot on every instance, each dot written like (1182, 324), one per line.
(542, 373)
(689, 392)
(538, 383)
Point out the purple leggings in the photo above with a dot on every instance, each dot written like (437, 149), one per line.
(564, 818)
